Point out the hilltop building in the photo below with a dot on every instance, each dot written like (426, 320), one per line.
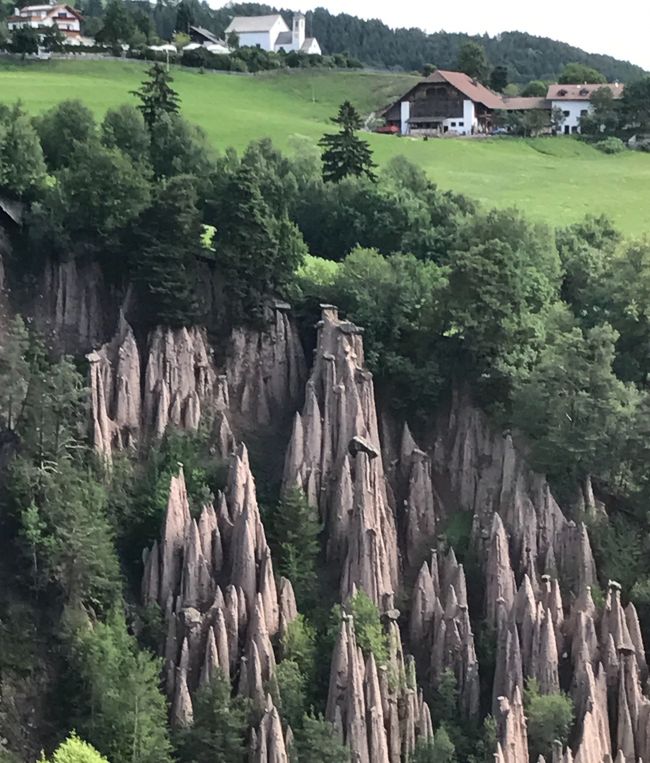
(65, 17)
(575, 102)
(271, 33)
(452, 102)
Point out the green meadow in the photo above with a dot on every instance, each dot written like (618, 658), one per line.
(553, 179)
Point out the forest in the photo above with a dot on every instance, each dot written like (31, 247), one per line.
(547, 329)
(527, 57)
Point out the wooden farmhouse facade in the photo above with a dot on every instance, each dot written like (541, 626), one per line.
(451, 102)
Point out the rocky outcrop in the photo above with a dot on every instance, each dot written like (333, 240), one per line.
(481, 471)
(137, 395)
(377, 708)
(333, 457)
(266, 369)
(214, 581)
(73, 305)
(440, 629)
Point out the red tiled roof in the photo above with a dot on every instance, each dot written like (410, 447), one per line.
(581, 92)
(469, 87)
(522, 103)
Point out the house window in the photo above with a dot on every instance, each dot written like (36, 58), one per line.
(461, 124)
(453, 124)
(567, 113)
(584, 112)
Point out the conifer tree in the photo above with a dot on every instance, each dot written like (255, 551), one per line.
(157, 95)
(344, 153)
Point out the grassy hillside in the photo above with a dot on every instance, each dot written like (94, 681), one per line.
(558, 180)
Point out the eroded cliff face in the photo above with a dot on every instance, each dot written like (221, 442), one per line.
(383, 509)
(137, 394)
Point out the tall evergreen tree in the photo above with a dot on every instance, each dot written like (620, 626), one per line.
(344, 153)
(167, 237)
(157, 95)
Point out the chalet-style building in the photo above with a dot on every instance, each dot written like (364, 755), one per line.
(575, 102)
(454, 103)
(271, 33)
(65, 17)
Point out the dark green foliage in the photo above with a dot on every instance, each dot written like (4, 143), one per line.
(62, 130)
(499, 78)
(577, 74)
(122, 711)
(576, 411)
(220, 727)
(399, 302)
(317, 742)
(123, 128)
(22, 169)
(444, 703)
(535, 89)
(625, 294)
(179, 148)
(622, 553)
(585, 249)
(503, 277)
(53, 39)
(368, 629)
(65, 535)
(473, 61)
(404, 212)
(529, 57)
(549, 718)
(440, 749)
(296, 528)
(118, 26)
(24, 40)
(258, 250)
(292, 688)
(344, 153)
(636, 105)
(157, 96)
(167, 239)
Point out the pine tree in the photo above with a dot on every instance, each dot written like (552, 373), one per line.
(219, 729)
(167, 237)
(297, 528)
(157, 95)
(258, 250)
(344, 153)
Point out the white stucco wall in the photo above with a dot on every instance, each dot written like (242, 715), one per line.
(575, 109)
(404, 115)
(469, 117)
(256, 39)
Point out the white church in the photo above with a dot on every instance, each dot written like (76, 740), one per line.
(272, 33)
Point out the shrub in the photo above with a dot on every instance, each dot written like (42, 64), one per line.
(549, 718)
(610, 145)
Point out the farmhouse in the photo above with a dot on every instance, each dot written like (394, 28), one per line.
(65, 17)
(271, 33)
(575, 102)
(451, 102)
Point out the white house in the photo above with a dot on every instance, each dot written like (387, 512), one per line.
(65, 17)
(575, 102)
(271, 33)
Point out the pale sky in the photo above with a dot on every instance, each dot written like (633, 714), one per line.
(620, 29)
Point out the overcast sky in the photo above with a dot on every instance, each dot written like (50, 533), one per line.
(621, 29)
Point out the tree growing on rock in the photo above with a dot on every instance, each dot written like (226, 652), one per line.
(549, 718)
(344, 153)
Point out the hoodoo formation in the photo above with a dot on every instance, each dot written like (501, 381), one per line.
(212, 573)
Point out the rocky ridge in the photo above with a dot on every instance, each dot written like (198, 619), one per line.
(214, 579)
